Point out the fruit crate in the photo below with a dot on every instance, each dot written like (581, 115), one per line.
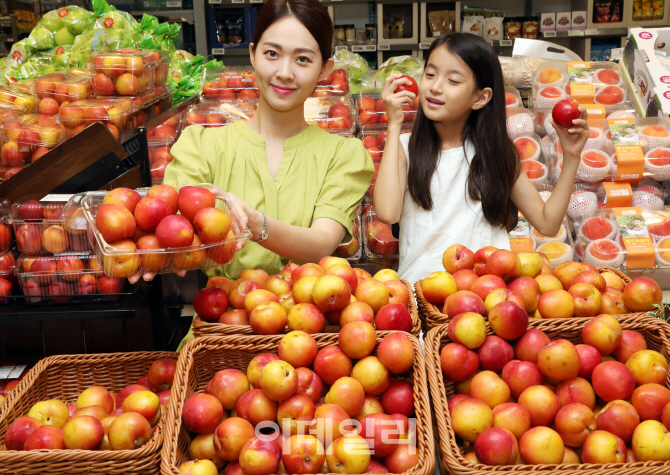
(24, 101)
(199, 256)
(123, 74)
(218, 114)
(431, 315)
(378, 238)
(333, 114)
(205, 328)
(228, 84)
(64, 377)
(27, 138)
(41, 229)
(450, 449)
(202, 357)
(117, 113)
(66, 279)
(372, 113)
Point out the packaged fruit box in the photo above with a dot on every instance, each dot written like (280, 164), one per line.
(520, 121)
(164, 99)
(535, 165)
(123, 74)
(55, 88)
(24, 101)
(153, 237)
(117, 113)
(606, 239)
(144, 105)
(7, 172)
(371, 110)
(41, 227)
(159, 155)
(27, 138)
(594, 83)
(512, 97)
(65, 279)
(162, 59)
(379, 240)
(334, 84)
(374, 141)
(218, 114)
(168, 130)
(333, 114)
(7, 277)
(222, 83)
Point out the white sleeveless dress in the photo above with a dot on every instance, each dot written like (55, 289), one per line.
(454, 219)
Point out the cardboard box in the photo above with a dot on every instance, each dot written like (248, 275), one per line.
(563, 21)
(548, 21)
(647, 73)
(578, 20)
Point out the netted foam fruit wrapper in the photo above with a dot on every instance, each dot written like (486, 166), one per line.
(559, 83)
(662, 253)
(506, 65)
(555, 261)
(540, 240)
(611, 235)
(591, 174)
(601, 94)
(652, 137)
(645, 199)
(657, 172)
(545, 172)
(519, 124)
(543, 102)
(581, 203)
(599, 262)
(597, 141)
(548, 147)
(598, 80)
(523, 70)
(548, 127)
(519, 141)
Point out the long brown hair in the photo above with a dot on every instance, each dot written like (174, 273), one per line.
(311, 13)
(495, 165)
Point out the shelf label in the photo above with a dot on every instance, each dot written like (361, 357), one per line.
(549, 34)
(340, 48)
(506, 42)
(255, 1)
(576, 33)
(591, 32)
(424, 45)
(16, 372)
(173, 4)
(215, 2)
(56, 198)
(384, 47)
(370, 48)
(237, 1)
(218, 51)
(357, 48)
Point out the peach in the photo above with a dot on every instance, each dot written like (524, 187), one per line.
(468, 329)
(309, 384)
(504, 264)
(331, 293)
(541, 446)
(620, 418)
(303, 454)
(548, 282)
(604, 250)
(541, 403)
(613, 280)
(19, 431)
(631, 343)
(464, 279)
(260, 456)
(576, 390)
(574, 423)
(96, 396)
(649, 401)
(268, 318)
(559, 360)
(613, 303)
(527, 147)
(348, 454)
(372, 374)
(332, 422)
(85, 433)
(255, 407)
(642, 294)
(488, 387)
(513, 417)
(305, 317)
(458, 257)
(458, 363)
(568, 270)
(256, 366)
(612, 380)
(528, 289)
(556, 303)
(529, 345)
(396, 352)
(603, 447)
(398, 293)
(501, 295)
(228, 386)
(371, 405)
(470, 418)
(508, 320)
(548, 76)
(202, 413)
(295, 415)
(298, 349)
(373, 293)
(496, 446)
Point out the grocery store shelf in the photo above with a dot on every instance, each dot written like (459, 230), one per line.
(592, 33)
(185, 14)
(401, 47)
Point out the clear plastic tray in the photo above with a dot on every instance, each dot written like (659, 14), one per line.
(335, 84)
(66, 279)
(168, 130)
(24, 101)
(379, 241)
(534, 163)
(371, 111)
(122, 74)
(374, 140)
(512, 97)
(124, 262)
(55, 88)
(7, 277)
(117, 113)
(29, 137)
(162, 59)
(352, 250)
(213, 114)
(334, 114)
(159, 158)
(163, 99)
(40, 227)
(222, 83)
(8, 172)
(551, 83)
(559, 248)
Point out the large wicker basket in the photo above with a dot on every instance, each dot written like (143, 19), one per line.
(204, 328)
(431, 315)
(203, 357)
(64, 378)
(450, 453)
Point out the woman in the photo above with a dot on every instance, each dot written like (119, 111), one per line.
(296, 186)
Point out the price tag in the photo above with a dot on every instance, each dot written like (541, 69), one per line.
(56, 198)
(424, 45)
(506, 42)
(357, 48)
(384, 47)
(576, 33)
(591, 32)
(370, 48)
(340, 48)
(173, 4)
(237, 1)
(255, 1)
(215, 2)
(549, 34)
(218, 51)
(16, 372)
(5, 371)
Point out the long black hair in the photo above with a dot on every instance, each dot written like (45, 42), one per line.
(495, 165)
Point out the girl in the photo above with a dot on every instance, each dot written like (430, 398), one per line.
(454, 180)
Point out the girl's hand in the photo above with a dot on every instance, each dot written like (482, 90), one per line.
(393, 102)
(573, 139)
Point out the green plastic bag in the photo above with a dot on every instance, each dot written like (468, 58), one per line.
(407, 65)
(358, 71)
(60, 27)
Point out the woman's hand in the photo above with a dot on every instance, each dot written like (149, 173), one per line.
(573, 139)
(393, 101)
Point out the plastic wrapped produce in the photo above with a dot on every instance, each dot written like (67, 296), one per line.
(359, 74)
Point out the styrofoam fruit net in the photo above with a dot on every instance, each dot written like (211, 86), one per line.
(596, 228)
(523, 71)
(607, 77)
(506, 66)
(548, 147)
(615, 164)
(663, 253)
(621, 114)
(611, 97)
(605, 250)
(658, 226)
(581, 203)
(519, 124)
(644, 198)
(653, 136)
(548, 127)
(544, 78)
(540, 240)
(525, 145)
(608, 145)
(533, 166)
(551, 250)
(511, 100)
(592, 174)
(596, 140)
(543, 101)
(658, 172)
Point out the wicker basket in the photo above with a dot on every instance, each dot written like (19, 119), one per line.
(431, 315)
(656, 332)
(204, 328)
(203, 357)
(65, 377)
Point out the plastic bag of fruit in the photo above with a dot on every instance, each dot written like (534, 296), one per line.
(39, 64)
(60, 27)
(407, 65)
(358, 71)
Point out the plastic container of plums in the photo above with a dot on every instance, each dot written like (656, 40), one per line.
(117, 113)
(54, 89)
(600, 238)
(24, 101)
(221, 83)
(123, 258)
(333, 114)
(374, 140)
(65, 279)
(122, 74)
(379, 241)
(41, 227)
(551, 84)
(27, 138)
(217, 114)
(334, 84)
(371, 111)
(162, 59)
